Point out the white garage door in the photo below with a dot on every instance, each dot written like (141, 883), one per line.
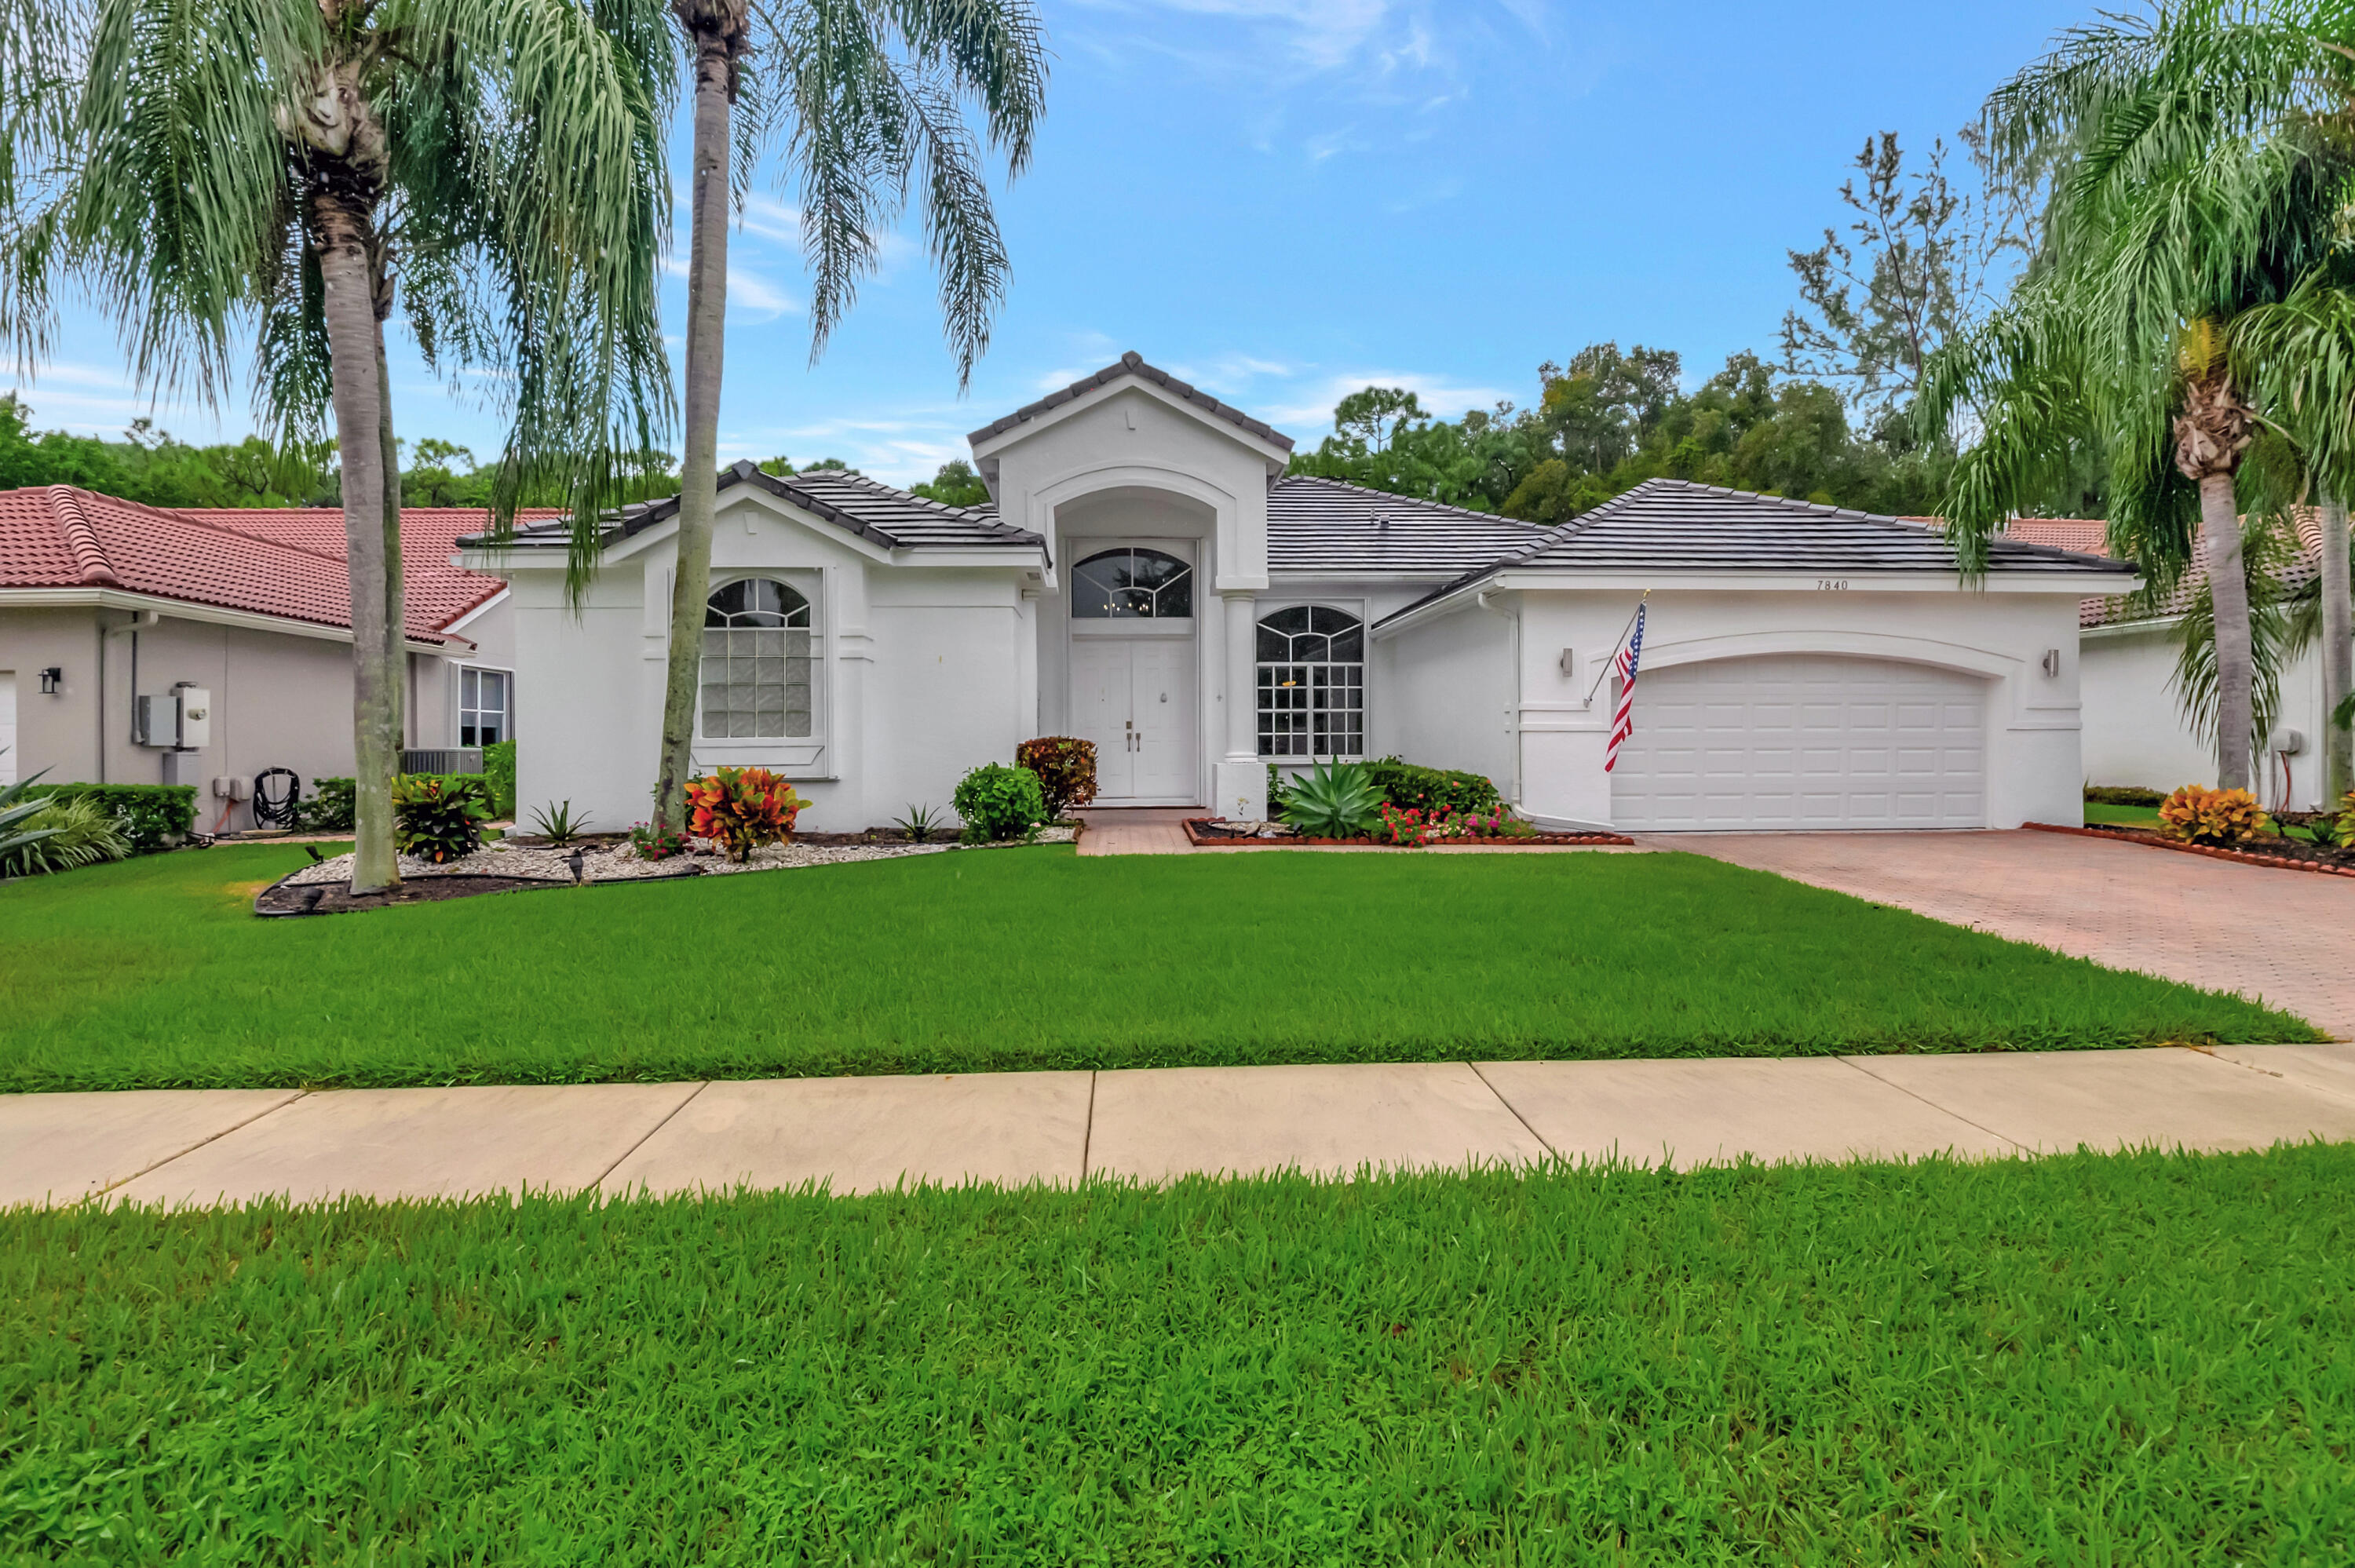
(1804, 741)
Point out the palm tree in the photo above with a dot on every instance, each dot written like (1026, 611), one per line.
(869, 95)
(283, 173)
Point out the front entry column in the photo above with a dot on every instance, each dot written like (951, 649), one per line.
(1241, 778)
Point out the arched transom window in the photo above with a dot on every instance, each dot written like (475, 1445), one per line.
(1131, 584)
(756, 662)
(1311, 682)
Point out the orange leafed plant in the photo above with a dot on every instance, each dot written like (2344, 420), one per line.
(741, 809)
(2203, 816)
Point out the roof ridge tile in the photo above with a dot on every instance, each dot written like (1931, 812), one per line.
(89, 554)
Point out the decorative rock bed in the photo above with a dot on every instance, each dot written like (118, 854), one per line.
(323, 888)
(1217, 832)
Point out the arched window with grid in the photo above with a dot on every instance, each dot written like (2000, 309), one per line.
(1311, 682)
(756, 662)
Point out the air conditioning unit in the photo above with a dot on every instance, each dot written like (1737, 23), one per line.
(445, 760)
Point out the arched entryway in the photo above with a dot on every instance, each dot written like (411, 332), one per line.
(1135, 668)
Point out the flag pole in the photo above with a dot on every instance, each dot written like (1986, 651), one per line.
(1621, 638)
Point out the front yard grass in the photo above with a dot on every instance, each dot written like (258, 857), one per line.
(153, 973)
(2144, 1359)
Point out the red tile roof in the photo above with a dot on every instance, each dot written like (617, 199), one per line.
(57, 536)
(431, 586)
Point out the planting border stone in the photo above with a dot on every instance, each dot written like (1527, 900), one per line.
(2156, 841)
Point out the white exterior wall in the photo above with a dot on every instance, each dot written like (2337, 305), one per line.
(2136, 735)
(917, 677)
(280, 699)
(1447, 695)
(2032, 756)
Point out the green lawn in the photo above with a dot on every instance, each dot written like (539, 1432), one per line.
(153, 973)
(2097, 814)
(2093, 1360)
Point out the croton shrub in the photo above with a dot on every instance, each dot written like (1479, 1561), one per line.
(1066, 767)
(741, 809)
(439, 819)
(2203, 816)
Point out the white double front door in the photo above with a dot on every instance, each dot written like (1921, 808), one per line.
(1134, 697)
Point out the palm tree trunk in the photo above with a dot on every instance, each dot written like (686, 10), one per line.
(699, 477)
(2228, 585)
(343, 237)
(2338, 658)
(396, 618)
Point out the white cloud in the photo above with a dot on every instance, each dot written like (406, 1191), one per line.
(1443, 397)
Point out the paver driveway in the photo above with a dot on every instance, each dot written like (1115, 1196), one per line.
(2286, 937)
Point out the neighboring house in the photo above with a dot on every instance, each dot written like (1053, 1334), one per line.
(2136, 732)
(235, 626)
(1148, 578)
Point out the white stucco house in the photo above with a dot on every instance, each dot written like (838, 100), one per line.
(1148, 578)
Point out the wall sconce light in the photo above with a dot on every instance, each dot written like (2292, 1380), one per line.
(52, 680)
(2052, 662)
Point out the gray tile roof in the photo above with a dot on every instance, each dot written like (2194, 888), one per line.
(1132, 363)
(1675, 526)
(1326, 525)
(874, 510)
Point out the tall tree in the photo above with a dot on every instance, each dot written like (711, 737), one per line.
(1919, 261)
(869, 95)
(2177, 210)
(219, 172)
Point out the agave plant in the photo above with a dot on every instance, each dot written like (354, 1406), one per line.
(15, 809)
(1332, 801)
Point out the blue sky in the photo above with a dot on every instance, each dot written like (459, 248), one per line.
(1282, 200)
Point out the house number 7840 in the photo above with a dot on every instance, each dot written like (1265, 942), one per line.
(1832, 583)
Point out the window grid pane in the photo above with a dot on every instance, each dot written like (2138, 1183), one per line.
(758, 669)
(1312, 683)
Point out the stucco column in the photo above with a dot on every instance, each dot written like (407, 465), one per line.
(1239, 782)
(1242, 667)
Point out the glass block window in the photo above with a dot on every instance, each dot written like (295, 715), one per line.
(1131, 584)
(482, 707)
(1312, 683)
(756, 662)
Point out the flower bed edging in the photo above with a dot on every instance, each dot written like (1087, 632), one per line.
(2133, 836)
(1194, 836)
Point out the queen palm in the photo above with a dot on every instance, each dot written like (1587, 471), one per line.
(869, 94)
(281, 174)
(2187, 197)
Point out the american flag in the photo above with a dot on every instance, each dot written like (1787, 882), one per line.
(1623, 723)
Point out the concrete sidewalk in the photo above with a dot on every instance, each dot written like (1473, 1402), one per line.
(860, 1134)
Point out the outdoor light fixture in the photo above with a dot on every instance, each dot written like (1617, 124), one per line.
(2052, 662)
(52, 679)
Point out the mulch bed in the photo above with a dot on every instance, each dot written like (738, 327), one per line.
(1210, 832)
(336, 897)
(2281, 854)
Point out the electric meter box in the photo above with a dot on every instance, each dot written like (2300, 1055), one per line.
(181, 718)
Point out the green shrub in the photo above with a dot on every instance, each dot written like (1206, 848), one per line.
(1274, 793)
(998, 803)
(66, 832)
(1407, 785)
(439, 819)
(2123, 795)
(498, 767)
(153, 816)
(329, 809)
(1333, 801)
(1066, 767)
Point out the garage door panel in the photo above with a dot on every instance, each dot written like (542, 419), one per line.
(1804, 741)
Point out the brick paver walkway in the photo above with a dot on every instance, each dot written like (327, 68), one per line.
(2284, 937)
(1137, 829)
